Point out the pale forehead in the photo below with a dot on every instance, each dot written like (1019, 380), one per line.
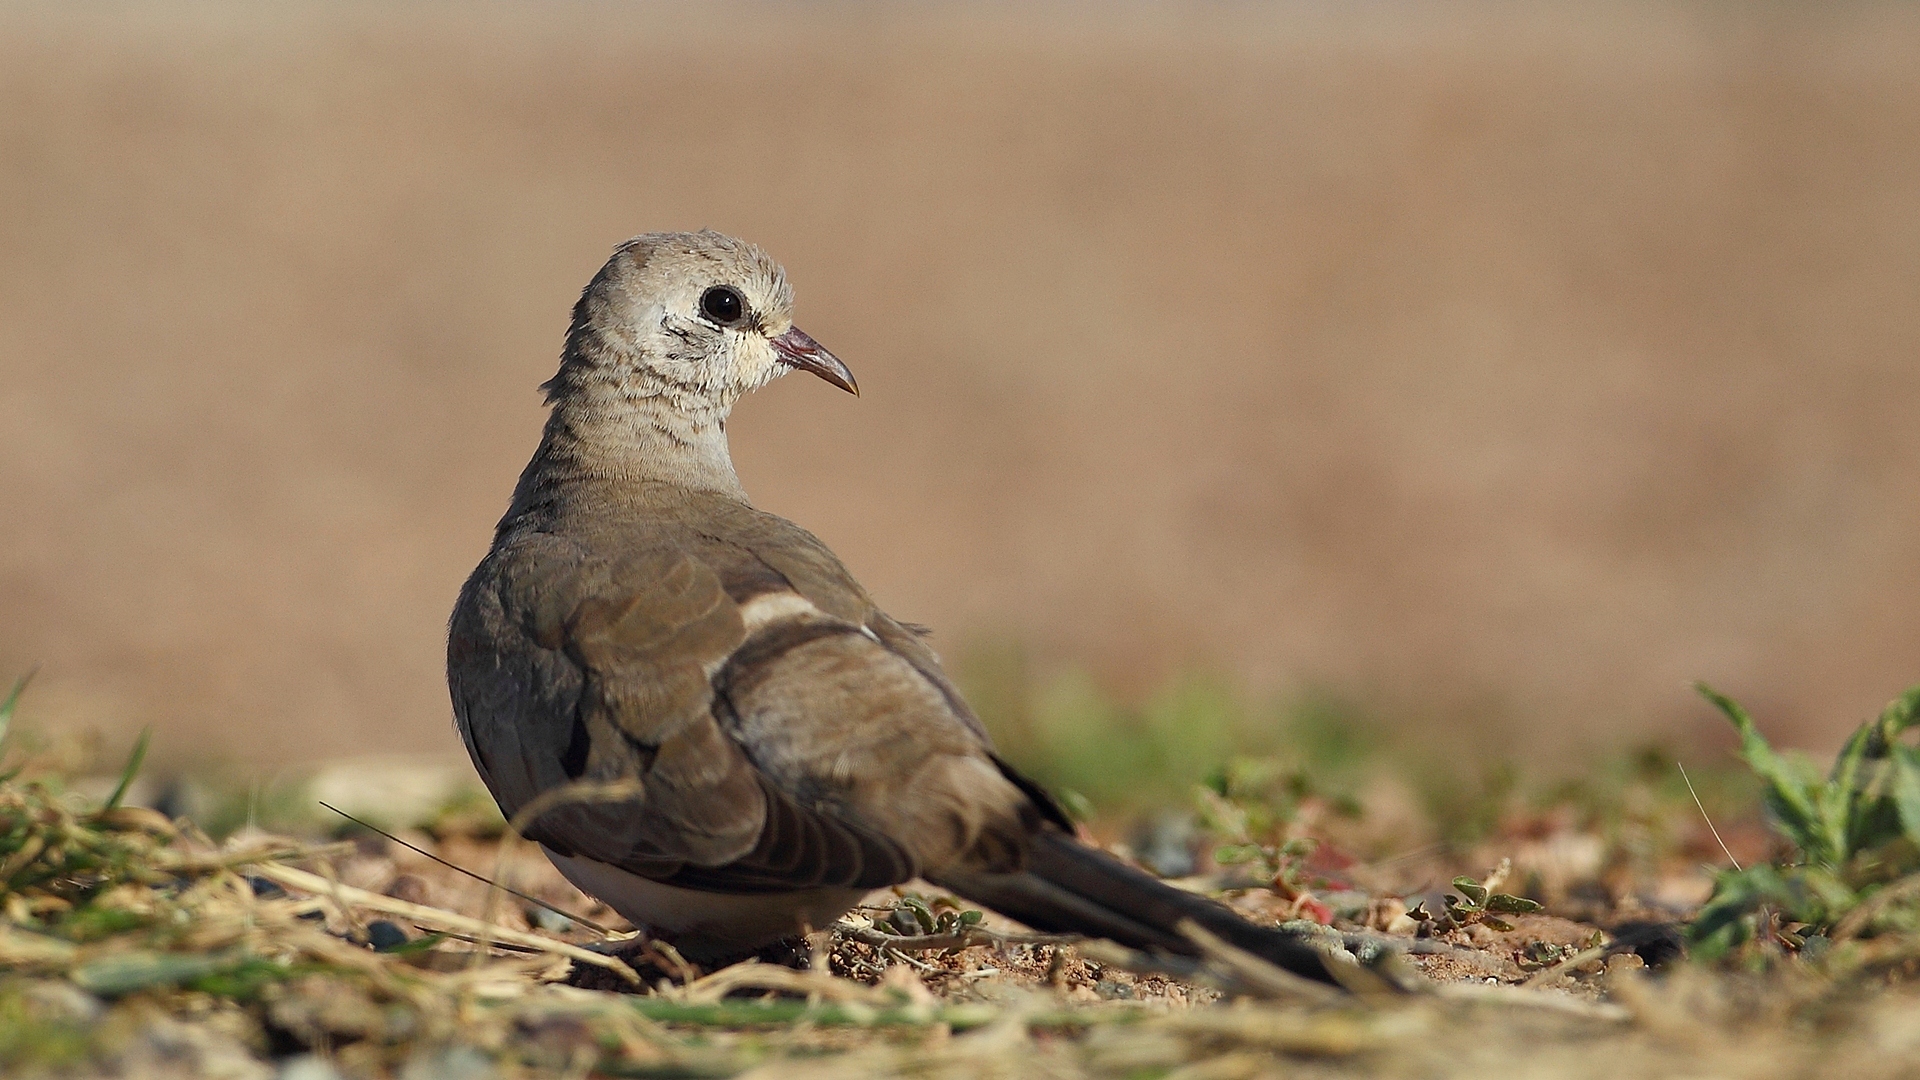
(707, 258)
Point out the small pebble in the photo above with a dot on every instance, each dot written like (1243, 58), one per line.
(1625, 962)
(551, 921)
(385, 936)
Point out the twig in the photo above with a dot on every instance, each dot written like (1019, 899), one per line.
(432, 916)
(911, 962)
(1534, 999)
(332, 876)
(471, 940)
(1703, 814)
(753, 975)
(483, 879)
(665, 955)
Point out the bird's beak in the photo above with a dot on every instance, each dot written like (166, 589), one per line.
(797, 350)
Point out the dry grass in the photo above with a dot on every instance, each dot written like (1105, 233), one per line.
(133, 946)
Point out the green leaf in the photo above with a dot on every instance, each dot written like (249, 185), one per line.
(1902, 712)
(1794, 801)
(1475, 892)
(6, 718)
(922, 914)
(13, 700)
(1874, 780)
(422, 944)
(1906, 790)
(1513, 905)
(242, 981)
(133, 766)
(1234, 854)
(1725, 921)
(1844, 777)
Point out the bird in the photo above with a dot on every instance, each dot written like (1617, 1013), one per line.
(768, 745)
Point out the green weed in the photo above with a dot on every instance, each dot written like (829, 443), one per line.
(1478, 902)
(1855, 834)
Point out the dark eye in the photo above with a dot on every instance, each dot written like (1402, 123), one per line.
(722, 304)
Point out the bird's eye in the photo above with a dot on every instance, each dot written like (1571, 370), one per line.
(722, 304)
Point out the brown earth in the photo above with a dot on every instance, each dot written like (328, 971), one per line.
(1467, 359)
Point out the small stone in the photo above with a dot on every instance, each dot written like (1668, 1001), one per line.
(385, 936)
(551, 921)
(1625, 961)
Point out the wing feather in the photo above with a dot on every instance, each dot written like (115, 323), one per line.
(568, 667)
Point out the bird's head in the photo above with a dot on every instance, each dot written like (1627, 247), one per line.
(696, 318)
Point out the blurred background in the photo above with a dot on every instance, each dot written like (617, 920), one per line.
(1492, 370)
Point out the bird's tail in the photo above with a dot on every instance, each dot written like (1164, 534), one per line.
(1071, 888)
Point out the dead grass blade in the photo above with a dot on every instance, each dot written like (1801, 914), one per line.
(753, 975)
(435, 917)
(1253, 976)
(483, 879)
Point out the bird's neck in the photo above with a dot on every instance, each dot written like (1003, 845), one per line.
(611, 438)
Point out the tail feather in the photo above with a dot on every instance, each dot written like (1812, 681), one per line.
(1069, 887)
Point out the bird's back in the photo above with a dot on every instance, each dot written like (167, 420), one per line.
(726, 660)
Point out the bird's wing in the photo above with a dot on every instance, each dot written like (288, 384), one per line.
(772, 742)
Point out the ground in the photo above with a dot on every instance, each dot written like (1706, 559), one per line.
(251, 958)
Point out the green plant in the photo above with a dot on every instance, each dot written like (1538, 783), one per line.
(7, 708)
(1854, 832)
(1477, 903)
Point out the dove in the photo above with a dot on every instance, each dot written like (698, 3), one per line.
(756, 743)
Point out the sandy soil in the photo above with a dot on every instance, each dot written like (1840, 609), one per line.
(1472, 361)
